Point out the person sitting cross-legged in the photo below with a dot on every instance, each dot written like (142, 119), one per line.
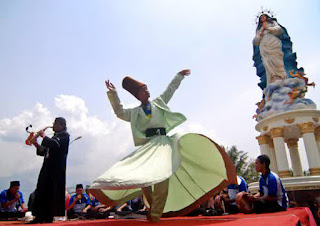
(137, 206)
(12, 202)
(233, 190)
(272, 196)
(80, 204)
(100, 211)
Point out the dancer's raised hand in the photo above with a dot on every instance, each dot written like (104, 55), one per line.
(110, 86)
(185, 72)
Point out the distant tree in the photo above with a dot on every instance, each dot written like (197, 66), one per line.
(245, 166)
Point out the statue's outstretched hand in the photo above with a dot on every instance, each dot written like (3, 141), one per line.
(110, 86)
(185, 72)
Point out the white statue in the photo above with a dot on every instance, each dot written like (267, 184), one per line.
(268, 39)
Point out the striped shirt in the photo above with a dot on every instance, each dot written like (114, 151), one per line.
(270, 184)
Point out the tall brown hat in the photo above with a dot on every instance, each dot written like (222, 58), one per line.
(132, 86)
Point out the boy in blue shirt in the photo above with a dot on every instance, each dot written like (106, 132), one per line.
(233, 190)
(272, 196)
(80, 204)
(12, 202)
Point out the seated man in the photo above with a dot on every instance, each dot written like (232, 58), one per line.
(12, 203)
(209, 207)
(124, 209)
(233, 190)
(80, 204)
(132, 209)
(137, 206)
(31, 201)
(226, 201)
(100, 211)
(272, 196)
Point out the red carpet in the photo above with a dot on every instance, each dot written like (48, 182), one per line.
(290, 217)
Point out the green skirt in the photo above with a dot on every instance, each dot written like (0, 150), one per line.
(196, 166)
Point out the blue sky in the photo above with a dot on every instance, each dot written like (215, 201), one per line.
(55, 56)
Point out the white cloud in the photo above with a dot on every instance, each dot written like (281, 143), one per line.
(194, 127)
(102, 142)
(71, 104)
(14, 129)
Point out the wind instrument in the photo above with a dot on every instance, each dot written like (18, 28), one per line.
(33, 136)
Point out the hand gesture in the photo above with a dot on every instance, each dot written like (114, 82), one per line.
(251, 198)
(17, 195)
(78, 197)
(110, 86)
(185, 72)
(35, 143)
(41, 133)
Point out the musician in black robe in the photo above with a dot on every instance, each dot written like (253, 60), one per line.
(50, 192)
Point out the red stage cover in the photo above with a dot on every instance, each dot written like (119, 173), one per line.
(290, 217)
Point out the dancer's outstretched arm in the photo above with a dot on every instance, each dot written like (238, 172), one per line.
(121, 113)
(174, 85)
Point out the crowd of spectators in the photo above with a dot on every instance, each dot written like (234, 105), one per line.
(82, 205)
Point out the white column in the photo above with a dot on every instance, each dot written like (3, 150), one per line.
(307, 131)
(317, 135)
(264, 144)
(295, 157)
(273, 159)
(267, 148)
(280, 150)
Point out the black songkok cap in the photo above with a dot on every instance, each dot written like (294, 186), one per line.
(79, 186)
(14, 183)
(62, 121)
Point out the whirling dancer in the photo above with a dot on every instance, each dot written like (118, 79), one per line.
(175, 173)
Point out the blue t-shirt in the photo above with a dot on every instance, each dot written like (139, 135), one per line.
(270, 184)
(6, 196)
(234, 189)
(136, 204)
(81, 203)
(95, 202)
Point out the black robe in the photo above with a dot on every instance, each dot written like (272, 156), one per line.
(50, 192)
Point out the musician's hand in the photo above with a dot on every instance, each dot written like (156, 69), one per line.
(41, 133)
(110, 86)
(250, 197)
(185, 72)
(253, 198)
(36, 144)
